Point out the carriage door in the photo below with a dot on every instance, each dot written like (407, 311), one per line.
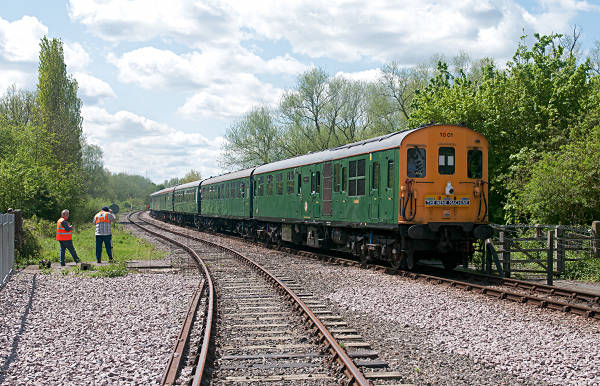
(315, 191)
(374, 184)
(388, 172)
(327, 184)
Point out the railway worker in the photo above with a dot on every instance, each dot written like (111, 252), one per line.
(64, 235)
(103, 220)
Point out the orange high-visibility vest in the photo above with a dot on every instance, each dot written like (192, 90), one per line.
(102, 216)
(61, 233)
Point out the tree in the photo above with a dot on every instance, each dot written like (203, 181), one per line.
(529, 106)
(252, 141)
(323, 112)
(95, 177)
(18, 107)
(59, 106)
(191, 176)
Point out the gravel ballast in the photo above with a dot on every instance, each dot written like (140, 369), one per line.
(440, 335)
(57, 329)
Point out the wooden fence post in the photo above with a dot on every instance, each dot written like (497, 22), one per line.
(559, 244)
(596, 238)
(550, 259)
(505, 245)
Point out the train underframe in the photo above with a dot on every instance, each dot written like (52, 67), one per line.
(401, 247)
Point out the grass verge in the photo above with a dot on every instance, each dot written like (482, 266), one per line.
(41, 244)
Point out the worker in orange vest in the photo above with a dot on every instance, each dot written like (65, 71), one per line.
(64, 235)
(103, 219)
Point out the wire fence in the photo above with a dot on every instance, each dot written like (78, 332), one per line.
(538, 250)
(7, 246)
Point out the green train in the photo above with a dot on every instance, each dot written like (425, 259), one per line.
(401, 197)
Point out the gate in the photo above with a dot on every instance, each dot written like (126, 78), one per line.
(7, 246)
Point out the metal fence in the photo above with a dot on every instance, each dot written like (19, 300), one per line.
(7, 246)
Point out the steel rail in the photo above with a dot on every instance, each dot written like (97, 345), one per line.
(173, 366)
(539, 287)
(509, 295)
(356, 377)
(557, 305)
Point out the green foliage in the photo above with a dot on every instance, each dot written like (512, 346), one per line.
(191, 176)
(254, 140)
(59, 106)
(529, 107)
(40, 243)
(585, 269)
(111, 270)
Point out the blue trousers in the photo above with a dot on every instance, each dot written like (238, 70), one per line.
(107, 243)
(67, 244)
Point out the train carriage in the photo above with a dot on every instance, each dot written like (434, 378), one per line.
(186, 202)
(226, 198)
(161, 202)
(400, 197)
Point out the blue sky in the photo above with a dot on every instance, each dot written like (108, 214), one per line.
(162, 80)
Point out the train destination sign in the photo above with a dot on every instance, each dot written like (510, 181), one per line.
(431, 201)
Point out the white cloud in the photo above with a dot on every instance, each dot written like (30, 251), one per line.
(91, 89)
(76, 57)
(409, 31)
(363, 76)
(144, 20)
(20, 39)
(231, 99)
(138, 145)
(19, 78)
(150, 67)
(223, 81)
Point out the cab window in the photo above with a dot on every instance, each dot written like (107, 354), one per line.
(474, 164)
(446, 160)
(416, 162)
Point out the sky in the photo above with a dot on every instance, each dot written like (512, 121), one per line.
(161, 81)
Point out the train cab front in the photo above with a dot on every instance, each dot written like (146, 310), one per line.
(443, 203)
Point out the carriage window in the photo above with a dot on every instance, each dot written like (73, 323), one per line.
(261, 185)
(290, 183)
(318, 182)
(415, 162)
(474, 164)
(356, 178)
(344, 179)
(269, 185)
(446, 160)
(375, 176)
(390, 180)
(336, 178)
(299, 183)
(279, 183)
(243, 190)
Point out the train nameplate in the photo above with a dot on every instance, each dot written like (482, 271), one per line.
(433, 201)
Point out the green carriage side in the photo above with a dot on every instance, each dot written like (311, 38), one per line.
(186, 198)
(227, 196)
(351, 186)
(162, 201)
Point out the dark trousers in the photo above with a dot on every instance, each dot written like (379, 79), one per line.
(107, 243)
(67, 244)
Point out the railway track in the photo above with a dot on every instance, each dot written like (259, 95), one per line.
(555, 298)
(268, 329)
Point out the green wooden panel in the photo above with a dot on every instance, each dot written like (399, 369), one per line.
(353, 196)
(227, 198)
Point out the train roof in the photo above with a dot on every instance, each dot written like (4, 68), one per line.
(362, 147)
(229, 176)
(163, 191)
(192, 184)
